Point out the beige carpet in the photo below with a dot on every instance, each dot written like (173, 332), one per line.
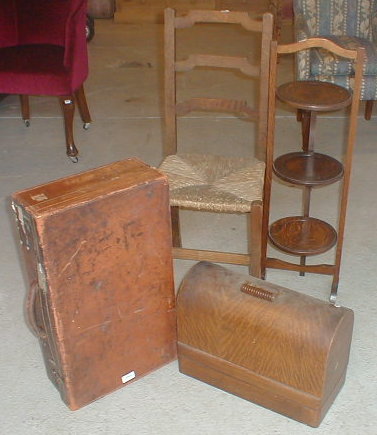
(124, 94)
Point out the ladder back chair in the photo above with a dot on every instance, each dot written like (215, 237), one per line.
(213, 183)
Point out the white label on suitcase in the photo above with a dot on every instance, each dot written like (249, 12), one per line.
(128, 377)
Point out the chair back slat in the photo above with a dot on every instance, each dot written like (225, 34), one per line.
(239, 63)
(216, 105)
(263, 27)
(224, 17)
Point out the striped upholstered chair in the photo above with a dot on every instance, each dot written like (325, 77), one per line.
(349, 23)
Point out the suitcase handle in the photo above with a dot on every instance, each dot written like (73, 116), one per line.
(258, 292)
(30, 310)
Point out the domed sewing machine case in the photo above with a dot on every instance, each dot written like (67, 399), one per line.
(278, 348)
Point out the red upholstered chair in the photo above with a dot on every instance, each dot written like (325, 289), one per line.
(43, 51)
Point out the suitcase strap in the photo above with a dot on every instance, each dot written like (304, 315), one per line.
(30, 310)
(258, 292)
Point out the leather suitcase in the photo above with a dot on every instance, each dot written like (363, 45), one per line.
(278, 348)
(97, 248)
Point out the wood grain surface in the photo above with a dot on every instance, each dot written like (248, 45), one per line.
(289, 354)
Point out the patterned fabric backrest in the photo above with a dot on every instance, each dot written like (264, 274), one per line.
(338, 17)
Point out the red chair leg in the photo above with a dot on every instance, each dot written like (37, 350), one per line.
(368, 109)
(83, 107)
(68, 106)
(25, 109)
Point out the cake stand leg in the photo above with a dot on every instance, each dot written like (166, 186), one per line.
(306, 209)
(334, 291)
(308, 122)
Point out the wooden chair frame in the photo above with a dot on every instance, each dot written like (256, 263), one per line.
(174, 109)
(67, 104)
(358, 57)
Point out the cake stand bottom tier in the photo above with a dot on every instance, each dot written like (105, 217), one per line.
(299, 235)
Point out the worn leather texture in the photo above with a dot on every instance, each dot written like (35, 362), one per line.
(97, 247)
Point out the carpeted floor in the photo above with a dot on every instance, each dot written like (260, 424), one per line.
(124, 94)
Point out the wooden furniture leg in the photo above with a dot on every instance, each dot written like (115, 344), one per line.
(308, 127)
(368, 109)
(334, 287)
(308, 118)
(176, 231)
(68, 106)
(83, 107)
(25, 109)
(306, 212)
(255, 239)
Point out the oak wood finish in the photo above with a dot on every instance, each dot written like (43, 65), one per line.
(217, 257)
(173, 109)
(216, 105)
(324, 269)
(99, 264)
(309, 168)
(302, 235)
(311, 97)
(278, 348)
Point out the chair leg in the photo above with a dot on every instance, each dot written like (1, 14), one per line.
(176, 231)
(255, 239)
(83, 107)
(299, 115)
(25, 109)
(368, 109)
(68, 106)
